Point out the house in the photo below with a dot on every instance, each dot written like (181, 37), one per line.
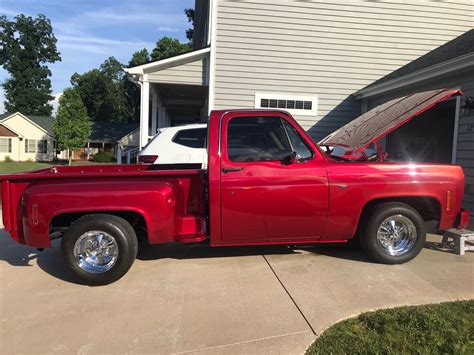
(120, 139)
(308, 57)
(112, 137)
(26, 137)
(324, 61)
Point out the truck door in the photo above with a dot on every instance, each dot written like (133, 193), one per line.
(267, 193)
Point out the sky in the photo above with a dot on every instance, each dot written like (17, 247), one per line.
(90, 31)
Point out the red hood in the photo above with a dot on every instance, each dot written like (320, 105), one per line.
(380, 121)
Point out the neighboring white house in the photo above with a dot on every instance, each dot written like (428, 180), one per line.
(25, 138)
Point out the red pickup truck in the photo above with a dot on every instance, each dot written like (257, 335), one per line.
(267, 182)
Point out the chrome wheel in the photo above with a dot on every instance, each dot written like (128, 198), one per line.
(96, 252)
(396, 235)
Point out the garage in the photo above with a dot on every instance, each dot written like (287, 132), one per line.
(442, 134)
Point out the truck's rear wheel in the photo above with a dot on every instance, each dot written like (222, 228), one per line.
(99, 249)
(394, 233)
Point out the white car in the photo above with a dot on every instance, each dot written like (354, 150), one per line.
(177, 145)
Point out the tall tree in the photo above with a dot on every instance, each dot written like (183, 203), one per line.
(26, 45)
(132, 92)
(190, 31)
(103, 92)
(168, 47)
(139, 57)
(71, 127)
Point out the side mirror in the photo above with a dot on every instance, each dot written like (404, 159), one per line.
(293, 158)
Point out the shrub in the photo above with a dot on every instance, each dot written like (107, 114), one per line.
(8, 159)
(104, 157)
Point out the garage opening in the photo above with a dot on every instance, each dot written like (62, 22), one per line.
(427, 138)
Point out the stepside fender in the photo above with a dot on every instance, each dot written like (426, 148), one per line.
(153, 200)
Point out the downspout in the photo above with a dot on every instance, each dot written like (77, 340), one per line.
(212, 54)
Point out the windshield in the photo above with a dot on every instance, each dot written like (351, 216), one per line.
(369, 153)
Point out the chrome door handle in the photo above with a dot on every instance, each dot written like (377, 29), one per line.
(228, 170)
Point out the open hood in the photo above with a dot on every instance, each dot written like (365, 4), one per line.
(380, 121)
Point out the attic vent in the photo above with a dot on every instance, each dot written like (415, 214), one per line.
(297, 105)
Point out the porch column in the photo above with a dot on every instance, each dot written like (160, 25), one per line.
(154, 110)
(88, 150)
(119, 154)
(144, 112)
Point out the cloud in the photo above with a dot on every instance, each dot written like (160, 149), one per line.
(55, 102)
(9, 12)
(88, 32)
(98, 45)
(2, 103)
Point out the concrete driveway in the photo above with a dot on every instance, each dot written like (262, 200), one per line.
(179, 299)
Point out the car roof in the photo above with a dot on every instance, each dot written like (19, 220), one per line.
(187, 126)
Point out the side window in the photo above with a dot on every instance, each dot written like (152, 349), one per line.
(297, 142)
(257, 139)
(192, 138)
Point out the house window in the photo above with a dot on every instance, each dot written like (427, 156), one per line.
(30, 146)
(36, 146)
(297, 105)
(5, 145)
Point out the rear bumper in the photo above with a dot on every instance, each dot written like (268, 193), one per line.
(463, 219)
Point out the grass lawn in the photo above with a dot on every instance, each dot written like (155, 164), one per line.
(14, 167)
(446, 328)
(17, 166)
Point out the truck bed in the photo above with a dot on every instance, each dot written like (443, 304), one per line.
(171, 202)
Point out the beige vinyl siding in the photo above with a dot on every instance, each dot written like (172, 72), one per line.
(193, 73)
(325, 48)
(27, 131)
(465, 148)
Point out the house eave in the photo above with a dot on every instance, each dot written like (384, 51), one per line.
(27, 119)
(445, 68)
(168, 63)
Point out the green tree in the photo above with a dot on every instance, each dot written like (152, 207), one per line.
(168, 47)
(190, 31)
(139, 57)
(71, 126)
(26, 45)
(103, 92)
(132, 91)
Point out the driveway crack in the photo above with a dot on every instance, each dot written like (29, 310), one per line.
(289, 295)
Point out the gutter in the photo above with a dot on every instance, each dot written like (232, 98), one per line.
(459, 63)
(169, 62)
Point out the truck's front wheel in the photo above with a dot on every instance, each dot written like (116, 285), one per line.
(394, 233)
(99, 249)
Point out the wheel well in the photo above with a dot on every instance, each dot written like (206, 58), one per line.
(62, 222)
(428, 207)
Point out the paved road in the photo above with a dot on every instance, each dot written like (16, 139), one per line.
(178, 299)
